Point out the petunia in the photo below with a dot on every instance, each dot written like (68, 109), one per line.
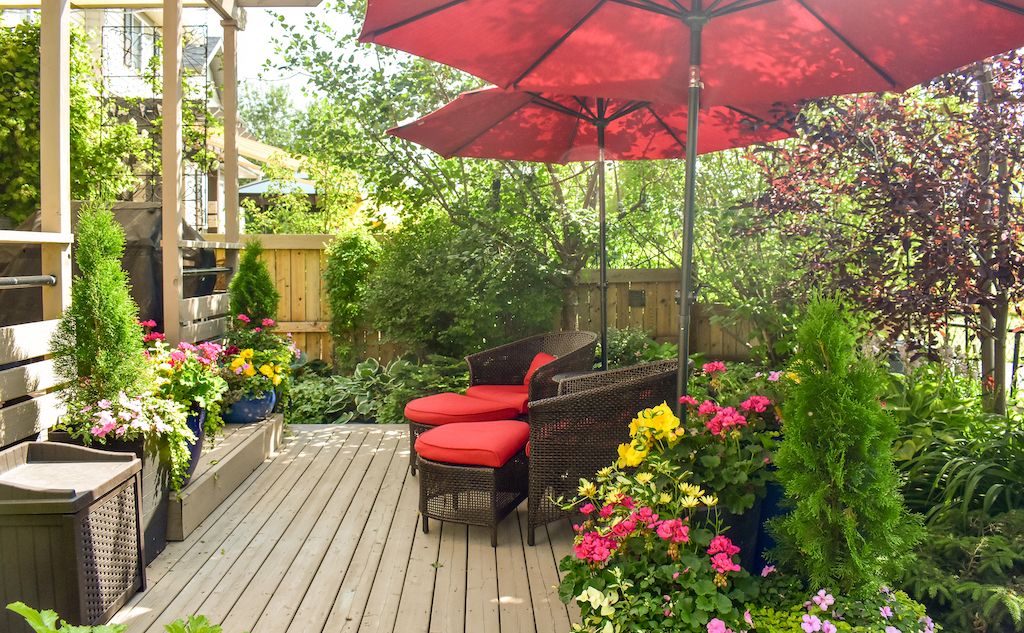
(810, 623)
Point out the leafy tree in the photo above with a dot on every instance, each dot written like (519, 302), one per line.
(444, 290)
(101, 148)
(97, 347)
(267, 113)
(253, 292)
(912, 204)
(289, 210)
(351, 258)
(849, 530)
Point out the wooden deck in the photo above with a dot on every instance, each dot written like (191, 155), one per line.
(326, 537)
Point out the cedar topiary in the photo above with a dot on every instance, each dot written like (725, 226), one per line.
(97, 347)
(252, 290)
(849, 530)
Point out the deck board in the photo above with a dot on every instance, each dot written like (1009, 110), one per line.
(326, 537)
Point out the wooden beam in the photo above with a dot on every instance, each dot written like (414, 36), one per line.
(55, 151)
(197, 308)
(28, 340)
(282, 242)
(303, 327)
(229, 246)
(229, 10)
(35, 237)
(171, 169)
(229, 106)
(204, 330)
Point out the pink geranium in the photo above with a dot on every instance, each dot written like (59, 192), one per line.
(595, 548)
(708, 407)
(758, 404)
(714, 367)
(722, 543)
(267, 322)
(688, 400)
(587, 508)
(153, 336)
(724, 420)
(674, 530)
(646, 516)
(243, 318)
(723, 563)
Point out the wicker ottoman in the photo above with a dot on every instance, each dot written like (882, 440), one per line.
(473, 473)
(439, 409)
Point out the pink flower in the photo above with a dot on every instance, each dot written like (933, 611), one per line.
(708, 408)
(674, 530)
(722, 563)
(267, 322)
(594, 547)
(646, 516)
(716, 626)
(828, 627)
(606, 511)
(824, 600)
(749, 619)
(667, 613)
(623, 528)
(178, 357)
(810, 623)
(627, 502)
(148, 323)
(892, 629)
(675, 575)
(714, 367)
(154, 336)
(103, 404)
(767, 571)
(257, 329)
(243, 318)
(724, 420)
(885, 612)
(587, 508)
(775, 376)
(759, 404)
(688, 400)
(722, 543)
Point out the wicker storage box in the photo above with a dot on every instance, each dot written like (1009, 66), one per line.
(69, 531)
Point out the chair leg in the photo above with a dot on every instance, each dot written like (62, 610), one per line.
(426, 524)
(494, 536)
(530, 536)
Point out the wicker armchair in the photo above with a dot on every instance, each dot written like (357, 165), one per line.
(577, 433)
(507, 364)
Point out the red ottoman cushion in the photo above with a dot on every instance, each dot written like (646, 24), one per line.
(512, 395)
(474, 444)
(445, 408)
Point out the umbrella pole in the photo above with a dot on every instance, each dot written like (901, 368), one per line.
(602, 238)
(696, 22)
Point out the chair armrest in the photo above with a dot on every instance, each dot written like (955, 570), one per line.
(502, 365)
(587, 382)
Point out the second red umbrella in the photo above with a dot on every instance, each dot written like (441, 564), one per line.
(510, 125)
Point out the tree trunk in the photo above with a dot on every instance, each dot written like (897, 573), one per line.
(987, 333)
(570, 302)
(999, 338)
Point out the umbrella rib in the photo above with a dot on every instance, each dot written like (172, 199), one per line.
(668, 129)
(561, 40)
(643, 5)
(414, 18)
(1005, 5)
(850, 45)
(627, 109)
(485, 130)
(584, 106)
(544, 102)
(777, 125)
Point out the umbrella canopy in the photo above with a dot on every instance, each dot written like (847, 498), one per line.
(511, 125)
(786, 50)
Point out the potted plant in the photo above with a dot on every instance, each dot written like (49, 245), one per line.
(190, 376)
(252, 377)
(110, 395)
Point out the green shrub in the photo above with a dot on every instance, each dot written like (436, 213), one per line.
(97, 347)
(252, 290)
(49, 622)
(441, 289)
(630, 346)
(351, 258)
(849, 530)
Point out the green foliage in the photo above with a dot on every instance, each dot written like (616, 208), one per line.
(47, 622)
(97, 347)
(972, 577)
(777, 614)
(253, 292)
(101, 149)
(446, 290)
(849, 529)
(373, 392)
(267, 111)
(630, 346)
(193, 624)
(351, 258)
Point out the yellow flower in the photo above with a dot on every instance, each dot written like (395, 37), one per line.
(605, 472)
(665, 498)
(612, 498)
(792, 375)
(267, 370)
(690, 490)
(276, 380)
(249, 372)
(644, 478)
(246, 353)
(629, 456)
(709, 500)
(690, 502)
(587, 489)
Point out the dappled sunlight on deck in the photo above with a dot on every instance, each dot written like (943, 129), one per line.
(326, 537)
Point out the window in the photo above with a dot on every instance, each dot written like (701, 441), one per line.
(134, 40)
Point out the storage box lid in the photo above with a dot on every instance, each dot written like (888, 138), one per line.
(49, 478)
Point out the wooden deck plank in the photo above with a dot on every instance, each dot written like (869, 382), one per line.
(448, 613)
(481, 583)
(560, 538)
(418, 588)
(515, 607)
(542, 574)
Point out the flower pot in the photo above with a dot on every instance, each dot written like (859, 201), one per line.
(156, 486)
(196, 422)
(250, 408)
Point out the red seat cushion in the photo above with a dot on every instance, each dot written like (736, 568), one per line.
(512, 395)
(446, 408)
(538, 361)
(474, 443)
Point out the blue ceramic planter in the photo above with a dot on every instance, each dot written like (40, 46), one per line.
(251, 408)
(196, 423)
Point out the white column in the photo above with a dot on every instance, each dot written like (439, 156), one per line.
(55, 150)
(229, 102)
(171, 168)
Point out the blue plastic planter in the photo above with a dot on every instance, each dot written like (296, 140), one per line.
(196, 423)
(251, 408)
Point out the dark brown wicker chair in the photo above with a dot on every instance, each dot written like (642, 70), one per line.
(507, 365)
(577, 433)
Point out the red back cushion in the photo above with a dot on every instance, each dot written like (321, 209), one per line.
(539, 361)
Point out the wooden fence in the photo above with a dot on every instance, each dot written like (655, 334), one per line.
(642, 299)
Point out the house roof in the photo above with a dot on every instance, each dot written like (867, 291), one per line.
(278, 186)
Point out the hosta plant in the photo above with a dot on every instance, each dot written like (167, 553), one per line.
(651, 552)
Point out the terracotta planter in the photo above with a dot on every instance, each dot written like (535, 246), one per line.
(156, 486)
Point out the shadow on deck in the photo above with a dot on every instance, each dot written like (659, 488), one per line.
(325, 537)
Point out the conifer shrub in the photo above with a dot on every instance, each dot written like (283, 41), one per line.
(351, 258)
(97, 348)
(849, 530)
(252, 290)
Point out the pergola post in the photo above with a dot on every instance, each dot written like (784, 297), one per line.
(229, 104)
(171, 168)
(55, 150)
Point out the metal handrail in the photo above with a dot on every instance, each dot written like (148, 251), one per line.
(216, 270)
(27, 281)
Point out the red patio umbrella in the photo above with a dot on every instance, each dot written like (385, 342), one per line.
(513, 125)
(734, 51)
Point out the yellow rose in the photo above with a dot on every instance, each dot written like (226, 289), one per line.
(249, 372)
(276, 380)
(246, 353)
